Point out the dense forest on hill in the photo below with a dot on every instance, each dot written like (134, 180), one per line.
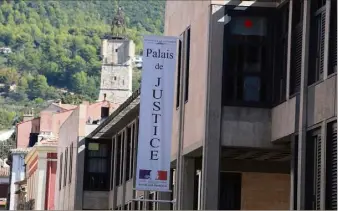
(56, 47)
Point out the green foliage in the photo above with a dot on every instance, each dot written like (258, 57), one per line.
(6, 146)
(56, 44)
(74, 99)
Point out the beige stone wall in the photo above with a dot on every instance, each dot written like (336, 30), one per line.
(116, 71)
(178, 16)
(265, 191)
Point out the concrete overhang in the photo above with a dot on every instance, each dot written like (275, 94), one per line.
(249, 3)
(104, 130)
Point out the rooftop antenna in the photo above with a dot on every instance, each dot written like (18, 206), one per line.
(118, 27)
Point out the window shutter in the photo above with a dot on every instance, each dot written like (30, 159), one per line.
(296, 58)
(318, 172)
(333, 37)
(334, 168)
(322, 41)
(331, 166)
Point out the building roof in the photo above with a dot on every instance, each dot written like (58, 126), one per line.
(65, 106)
(4, 172)
(121, 111)
(20, 150)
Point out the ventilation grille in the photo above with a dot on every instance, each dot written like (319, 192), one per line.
(296, 59)
(322, 41)
(318, 172)
(333, 37)
(334, 167)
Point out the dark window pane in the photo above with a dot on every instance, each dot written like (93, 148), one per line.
(252, 86)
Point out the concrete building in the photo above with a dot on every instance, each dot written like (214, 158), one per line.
(259, 102)
(117, 68)
(258, 112)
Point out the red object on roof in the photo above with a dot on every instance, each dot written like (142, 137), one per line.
(248, 23)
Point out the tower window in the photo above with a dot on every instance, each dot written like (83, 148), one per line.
(114, 78)
(116, 50)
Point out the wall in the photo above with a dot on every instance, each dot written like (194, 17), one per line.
(22, 134)
(322, 101)
(72, 131)
(17, 174)
(262, 191)
(116, 83)
(58, 119)
(178, 16)
(68, 133)
(283, 121)
(246, 127)
(116, 71)
(50, 181)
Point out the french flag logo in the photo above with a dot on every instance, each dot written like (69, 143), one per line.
(162, 175)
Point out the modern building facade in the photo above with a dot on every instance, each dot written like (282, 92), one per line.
(260, 92)
(256, 118)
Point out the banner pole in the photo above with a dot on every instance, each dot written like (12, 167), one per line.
(178, 186)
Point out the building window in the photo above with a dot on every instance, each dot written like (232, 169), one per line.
(60, 175)
(97, 166)
(118, 159)
(65, 167)
(70, 162)
(122, 156)
(187, 66)
(317, 37)
(281, 52)
(112, 163)
(129, 152)
(313, 170)
(132, 150)
(333, 39)
(296, 46)
(104, 112)
(179, 66)
(331, 166)
(245, 61)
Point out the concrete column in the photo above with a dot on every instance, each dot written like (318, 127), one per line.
(288, 63)
(327, 38)
(303, 107)
(114, 195)
(292, 173)
(146, 203)
(212, 141)
(124, 168)
(41, 186)
(323, 165)
(188, 183)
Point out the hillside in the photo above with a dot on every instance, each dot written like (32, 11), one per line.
(55, 46)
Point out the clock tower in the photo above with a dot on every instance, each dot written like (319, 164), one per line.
(116, 71)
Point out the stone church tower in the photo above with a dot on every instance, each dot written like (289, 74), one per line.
(116, 72)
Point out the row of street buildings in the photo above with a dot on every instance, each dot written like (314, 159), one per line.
(257, 116)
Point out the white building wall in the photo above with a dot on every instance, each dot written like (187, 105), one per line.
(17, 174)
